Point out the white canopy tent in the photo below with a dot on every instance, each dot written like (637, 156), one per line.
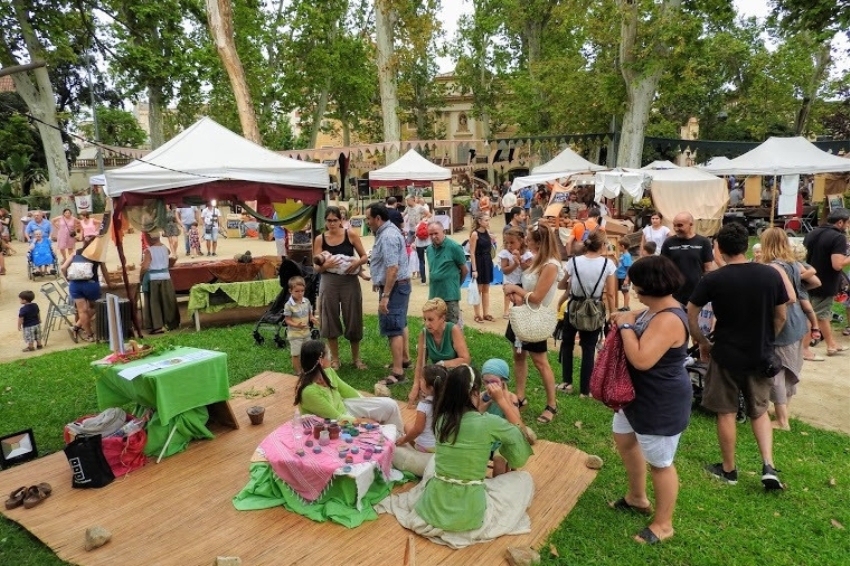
(210, 161)
(781, 156)
(610, 184)
(676, 189)
(410, 169)
(563, 165)
(97, 180)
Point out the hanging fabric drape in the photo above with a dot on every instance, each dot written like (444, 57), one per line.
(292, 215)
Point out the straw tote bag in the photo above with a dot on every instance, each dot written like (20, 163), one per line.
(532, 324)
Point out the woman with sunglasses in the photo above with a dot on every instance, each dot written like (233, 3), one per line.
(340, 295)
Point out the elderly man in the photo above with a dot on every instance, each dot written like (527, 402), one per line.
(391, 278)
(827, 252)
(692, 254)
(446, 269)
(38, 222)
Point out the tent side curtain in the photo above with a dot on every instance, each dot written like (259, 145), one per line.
(609, 184)
(232, 190)
(291, 215)
(399, 183)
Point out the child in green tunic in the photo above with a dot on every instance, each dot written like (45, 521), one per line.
(456, 504)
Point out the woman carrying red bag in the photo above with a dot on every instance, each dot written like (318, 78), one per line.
(648, 429)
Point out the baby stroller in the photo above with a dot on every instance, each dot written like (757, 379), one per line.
(39, 257)
(273, 319)
(696, 371)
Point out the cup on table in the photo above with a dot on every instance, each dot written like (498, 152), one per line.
(256, 414)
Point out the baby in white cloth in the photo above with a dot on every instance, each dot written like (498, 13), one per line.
(341, 268)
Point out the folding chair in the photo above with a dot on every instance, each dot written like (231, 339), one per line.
(60, 309)
(64, 293)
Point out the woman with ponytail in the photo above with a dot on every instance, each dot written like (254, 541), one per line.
(321, 392)
(456, 504)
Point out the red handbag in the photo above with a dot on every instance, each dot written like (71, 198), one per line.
(610, 381)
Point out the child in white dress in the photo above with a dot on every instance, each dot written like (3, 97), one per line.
(513, 259)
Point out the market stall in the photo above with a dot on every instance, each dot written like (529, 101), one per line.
(563, 165)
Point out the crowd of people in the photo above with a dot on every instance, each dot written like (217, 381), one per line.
(750, 319)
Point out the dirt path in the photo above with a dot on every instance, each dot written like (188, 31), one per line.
(823, 397)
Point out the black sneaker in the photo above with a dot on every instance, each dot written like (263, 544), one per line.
(770, 478)
(717, 471)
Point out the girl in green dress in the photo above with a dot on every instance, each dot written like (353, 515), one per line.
(456, 504)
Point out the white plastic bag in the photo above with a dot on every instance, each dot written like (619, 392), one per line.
(473, 297)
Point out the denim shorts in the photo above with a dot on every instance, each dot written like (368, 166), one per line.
(89, 290)
(395, 321)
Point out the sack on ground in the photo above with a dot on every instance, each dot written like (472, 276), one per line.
(610, 381)
(532, 324)
(89, 467)
(473, 297)
(586, 314)
(80, 271)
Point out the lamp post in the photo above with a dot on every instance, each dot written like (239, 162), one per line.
(99, 154)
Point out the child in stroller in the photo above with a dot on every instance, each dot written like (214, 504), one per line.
(41, 259)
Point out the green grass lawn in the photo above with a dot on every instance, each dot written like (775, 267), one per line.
(715, 523)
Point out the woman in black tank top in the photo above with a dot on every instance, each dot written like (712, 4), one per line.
(340, 298)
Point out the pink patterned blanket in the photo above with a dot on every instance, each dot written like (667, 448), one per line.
(311, 473)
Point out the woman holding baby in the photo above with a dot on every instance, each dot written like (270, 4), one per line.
(340, 296)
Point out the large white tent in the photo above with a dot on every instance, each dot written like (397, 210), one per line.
(210, 162)
(563, 165)
(781, 156)
(688, 189)
(410, 169)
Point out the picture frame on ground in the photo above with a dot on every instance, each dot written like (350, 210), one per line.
(17, 447)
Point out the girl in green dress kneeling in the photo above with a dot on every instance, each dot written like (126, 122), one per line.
(456, 504)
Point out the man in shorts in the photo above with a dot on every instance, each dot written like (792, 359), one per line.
(826, 248)
(748, 300)
(212, 226)
(391, 278)
(446, 270)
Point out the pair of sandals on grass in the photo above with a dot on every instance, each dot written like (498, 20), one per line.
(486, 317)
(356, 363)
(647, 535)
(29, 497)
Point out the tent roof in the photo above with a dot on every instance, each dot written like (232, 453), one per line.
(564, 164)
(567, 161)
(666, 171)
(409, 169)
(214, 162)
(782, 156)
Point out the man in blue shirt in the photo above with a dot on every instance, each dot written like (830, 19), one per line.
(279, 237)
(38, 222)
(391, 278)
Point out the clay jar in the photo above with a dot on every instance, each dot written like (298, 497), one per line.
(334, 430)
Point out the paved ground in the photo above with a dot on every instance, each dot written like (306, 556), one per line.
(823, 398)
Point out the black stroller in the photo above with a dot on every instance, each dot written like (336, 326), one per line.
(696, 371)
(273, 319)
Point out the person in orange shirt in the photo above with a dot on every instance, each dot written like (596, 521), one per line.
(575, 241)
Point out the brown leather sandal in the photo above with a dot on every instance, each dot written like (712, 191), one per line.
(16, 498)
(35, 495)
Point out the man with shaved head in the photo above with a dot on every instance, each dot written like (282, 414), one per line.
(692, 254)
(447, 269)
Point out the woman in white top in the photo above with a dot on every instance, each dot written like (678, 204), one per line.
(160, 310)
(539, 285)
(589, 275)
(655, 232)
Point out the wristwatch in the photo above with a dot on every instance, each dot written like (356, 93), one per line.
(626, 326)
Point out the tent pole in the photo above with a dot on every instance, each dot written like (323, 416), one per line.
(132, 296)
(772, 201)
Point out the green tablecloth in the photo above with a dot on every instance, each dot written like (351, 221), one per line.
(179, 393)
(244, 294)
(338, 503)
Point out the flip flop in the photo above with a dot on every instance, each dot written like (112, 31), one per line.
(489, 318)
(623, 505)
(646, 536)
(478, 319)
(521, 403)
(815, 358)
(836, 351)
(566, 388)
(392, 380)
(16, 498)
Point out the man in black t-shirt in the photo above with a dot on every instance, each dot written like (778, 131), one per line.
(748, 300)
(691, 253)
(827, 253)
(395, 215)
